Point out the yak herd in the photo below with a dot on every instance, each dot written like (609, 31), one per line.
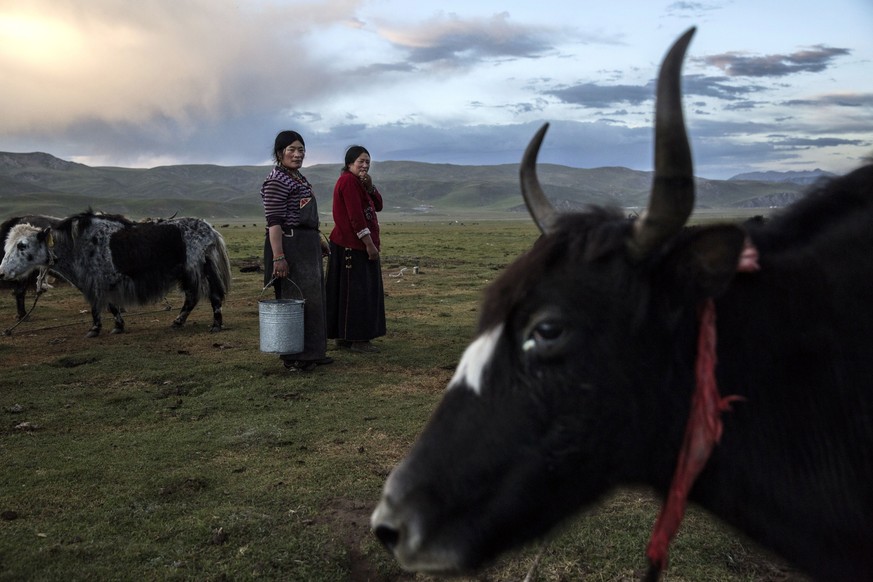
(727, 365)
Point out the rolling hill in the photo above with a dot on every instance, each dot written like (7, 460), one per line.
(42, 183)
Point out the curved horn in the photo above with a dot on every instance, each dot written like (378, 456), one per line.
(672, 197)
(541, 210)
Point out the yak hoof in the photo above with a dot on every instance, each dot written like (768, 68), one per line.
(216, 327)
(92, 333)
(117, 330)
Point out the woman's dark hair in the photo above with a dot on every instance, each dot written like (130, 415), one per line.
(352, 154)
(283, 140)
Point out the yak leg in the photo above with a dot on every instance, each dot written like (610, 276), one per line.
(119, 320)
(20, 292)
(216, 296)
(97, 321)
(191, 298)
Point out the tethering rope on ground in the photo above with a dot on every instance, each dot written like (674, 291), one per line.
(8, 331)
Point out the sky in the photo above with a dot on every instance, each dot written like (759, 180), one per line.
(768, 84)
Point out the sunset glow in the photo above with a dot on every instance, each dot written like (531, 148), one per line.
(462, 82)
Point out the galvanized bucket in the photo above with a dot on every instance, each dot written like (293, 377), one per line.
(281, 324)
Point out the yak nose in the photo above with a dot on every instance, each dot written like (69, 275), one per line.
(389, 536)
(387, 522)
(383, 523)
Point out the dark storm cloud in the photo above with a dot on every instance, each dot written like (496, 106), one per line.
(813, 60)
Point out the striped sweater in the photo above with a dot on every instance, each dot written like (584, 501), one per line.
(285, 197)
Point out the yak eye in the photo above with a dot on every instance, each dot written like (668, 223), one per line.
(545, 336)
(21, 246)
(548, 331)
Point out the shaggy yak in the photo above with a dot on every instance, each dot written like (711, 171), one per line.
(35, 278)
(116, 262)
(727, 365)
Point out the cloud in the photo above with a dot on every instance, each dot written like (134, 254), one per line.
(817, 142)
(191, 61)
(813, 60)
(447, 38)
(855, 100)
(718, 87)
(594, 95)
(212, 81)
(690, 9)
(571, 143)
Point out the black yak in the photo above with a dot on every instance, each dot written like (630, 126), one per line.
(724, 364)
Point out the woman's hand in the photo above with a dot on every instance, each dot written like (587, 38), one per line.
(372, 251)
(366, 181)
(280, 268)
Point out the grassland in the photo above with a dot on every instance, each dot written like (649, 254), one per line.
(166, 454)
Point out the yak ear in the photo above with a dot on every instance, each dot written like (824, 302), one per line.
(705, 260)
(44, 234)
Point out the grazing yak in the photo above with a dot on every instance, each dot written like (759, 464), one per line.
(33, 279)
(116, 262)
(725, 365)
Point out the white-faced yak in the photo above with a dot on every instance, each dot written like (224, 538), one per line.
(116, 262)
(36, 277)
(727, 365)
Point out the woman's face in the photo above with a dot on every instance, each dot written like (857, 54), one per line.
(360, 166)
(292, 156)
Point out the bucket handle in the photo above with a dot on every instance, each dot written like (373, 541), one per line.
(286, 277)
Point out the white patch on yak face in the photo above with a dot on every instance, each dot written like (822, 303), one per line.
(477, 355)
(16, 262)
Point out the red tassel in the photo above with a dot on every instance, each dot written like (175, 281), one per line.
(702, 433)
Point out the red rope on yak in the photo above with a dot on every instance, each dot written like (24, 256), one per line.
(702, 432)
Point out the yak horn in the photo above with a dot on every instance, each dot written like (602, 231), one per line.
(672, 197)
(541, 210)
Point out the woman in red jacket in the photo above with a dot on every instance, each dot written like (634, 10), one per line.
(355, 297)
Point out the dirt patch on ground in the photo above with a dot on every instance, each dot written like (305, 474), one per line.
(350, 519)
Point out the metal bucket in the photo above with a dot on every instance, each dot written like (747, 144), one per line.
(281, 324)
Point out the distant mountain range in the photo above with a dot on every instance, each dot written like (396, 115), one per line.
(802, 178)
(42, 183)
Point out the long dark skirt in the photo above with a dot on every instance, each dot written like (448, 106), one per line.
(305, 269)
(355, 297)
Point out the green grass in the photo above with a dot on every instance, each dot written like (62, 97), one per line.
(166, 454)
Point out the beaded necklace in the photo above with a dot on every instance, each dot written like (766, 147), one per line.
(295, 175)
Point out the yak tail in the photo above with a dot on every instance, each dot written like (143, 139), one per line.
(218, 258)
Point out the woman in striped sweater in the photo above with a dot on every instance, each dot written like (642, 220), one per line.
(293, 247)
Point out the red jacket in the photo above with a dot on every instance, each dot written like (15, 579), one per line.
(354, 213)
